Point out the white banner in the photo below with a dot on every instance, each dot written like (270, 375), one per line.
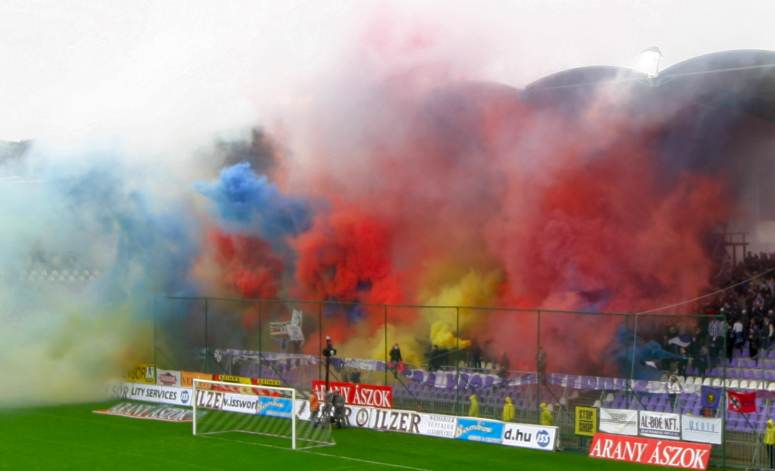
(168, 377)
(537, 437)
(156, 393)
(437, 425)
(702, 429)
(659, 424)
(619, 421)
(242, 403)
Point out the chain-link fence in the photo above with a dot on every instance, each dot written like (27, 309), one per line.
(445, 358)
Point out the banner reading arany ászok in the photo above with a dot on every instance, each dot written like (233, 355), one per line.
(537, 437)
(674, 454)
(659, 424)
(702, 429)
(358, 394)
(619, 421)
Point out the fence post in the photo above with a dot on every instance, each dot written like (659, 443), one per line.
(320, 340)
(385, 327)
(153, 346)
(260, 342)
(537, 366)
(457, 358)
(207, 344)
(631, 381)
(723, 403)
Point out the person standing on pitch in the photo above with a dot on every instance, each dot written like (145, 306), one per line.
(328, 352)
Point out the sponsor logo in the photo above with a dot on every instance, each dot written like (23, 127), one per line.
(187, 379)
(437, 425)
(358, 394)
(274, 406)
(149, 412)
(659, 424)
(209, 399)
(185, 396)
(537, 437)
(233, 379)
(673, 454)
(142, 373)
(619, 421)
(168, 378)
(479, 430)
(701, 429)
(267, 382)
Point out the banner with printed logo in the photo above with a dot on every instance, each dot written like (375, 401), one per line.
(537, 437)
(619, 421)
(702, 429)
(134, 410)
(187, 379)
(659, 424)
(272, 406)
(168, 377)
(358, 394)
(674, 454)
(156, 393)
(479, 430)
(142, 373)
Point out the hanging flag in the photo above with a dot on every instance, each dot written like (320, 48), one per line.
(741, 402)
(710, 397)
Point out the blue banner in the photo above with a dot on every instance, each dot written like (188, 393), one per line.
(274, 406)
(479, 430)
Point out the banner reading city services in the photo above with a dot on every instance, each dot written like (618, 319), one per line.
(479, 430)
(358, 394)
(673, 454)
(659, 424)
(701, 429)
(156, 393)
(619, 421)
(537, 437)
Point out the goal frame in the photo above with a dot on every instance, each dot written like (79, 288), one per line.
(252, 386)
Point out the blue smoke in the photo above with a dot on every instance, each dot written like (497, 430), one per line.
(632, 356)
(251, 204)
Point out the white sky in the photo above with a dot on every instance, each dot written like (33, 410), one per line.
(186, 67)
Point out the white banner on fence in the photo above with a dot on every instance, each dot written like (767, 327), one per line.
(168, 377)
(155, 393)
(619, 421)
(537, 437)
(659, 424)
(437, 425)
(702, 429)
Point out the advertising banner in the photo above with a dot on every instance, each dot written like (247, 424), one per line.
(168, 377)
(271, 406)
(187, 379)
(149, 412)
(673, 454)
(479, 430)
(358, 394)
(586, 421)
(437, 425)
(701, 429)
(209, 399)
(156, 393)
(537, 437)
(267, 381)
(659, 424)
(619, 421)
(142, 373)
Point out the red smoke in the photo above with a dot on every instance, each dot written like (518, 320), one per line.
(247, 265)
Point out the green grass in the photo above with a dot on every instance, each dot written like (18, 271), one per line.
(73, 438)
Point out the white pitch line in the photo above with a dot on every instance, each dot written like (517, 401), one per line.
(328, 455)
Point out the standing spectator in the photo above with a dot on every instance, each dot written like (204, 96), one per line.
(503, 368)
(541, 366)
(753, 340)
(508, 410)
(473, 408)
(476, 355)
(546, 417)
(433, 360)
(396, 363)
(769, 440)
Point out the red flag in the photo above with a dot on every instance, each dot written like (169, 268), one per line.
(741, 402)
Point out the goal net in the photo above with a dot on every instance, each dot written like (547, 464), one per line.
(269, 416)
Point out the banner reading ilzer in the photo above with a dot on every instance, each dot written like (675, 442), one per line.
(672, 454)
(358, 394)
(586, 421)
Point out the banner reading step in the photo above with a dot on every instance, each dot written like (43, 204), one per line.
(672, 454)
(358, 394)
(537, 437)
(619, 421)
(659, 424)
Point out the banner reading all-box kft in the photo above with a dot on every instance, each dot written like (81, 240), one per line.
(642, 450)
(701, 429)
(537, 437)
(659, 424)
(619, 421)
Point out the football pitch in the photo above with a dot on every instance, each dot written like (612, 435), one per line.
(73, 438)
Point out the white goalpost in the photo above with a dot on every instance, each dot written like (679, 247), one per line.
(272, 415)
